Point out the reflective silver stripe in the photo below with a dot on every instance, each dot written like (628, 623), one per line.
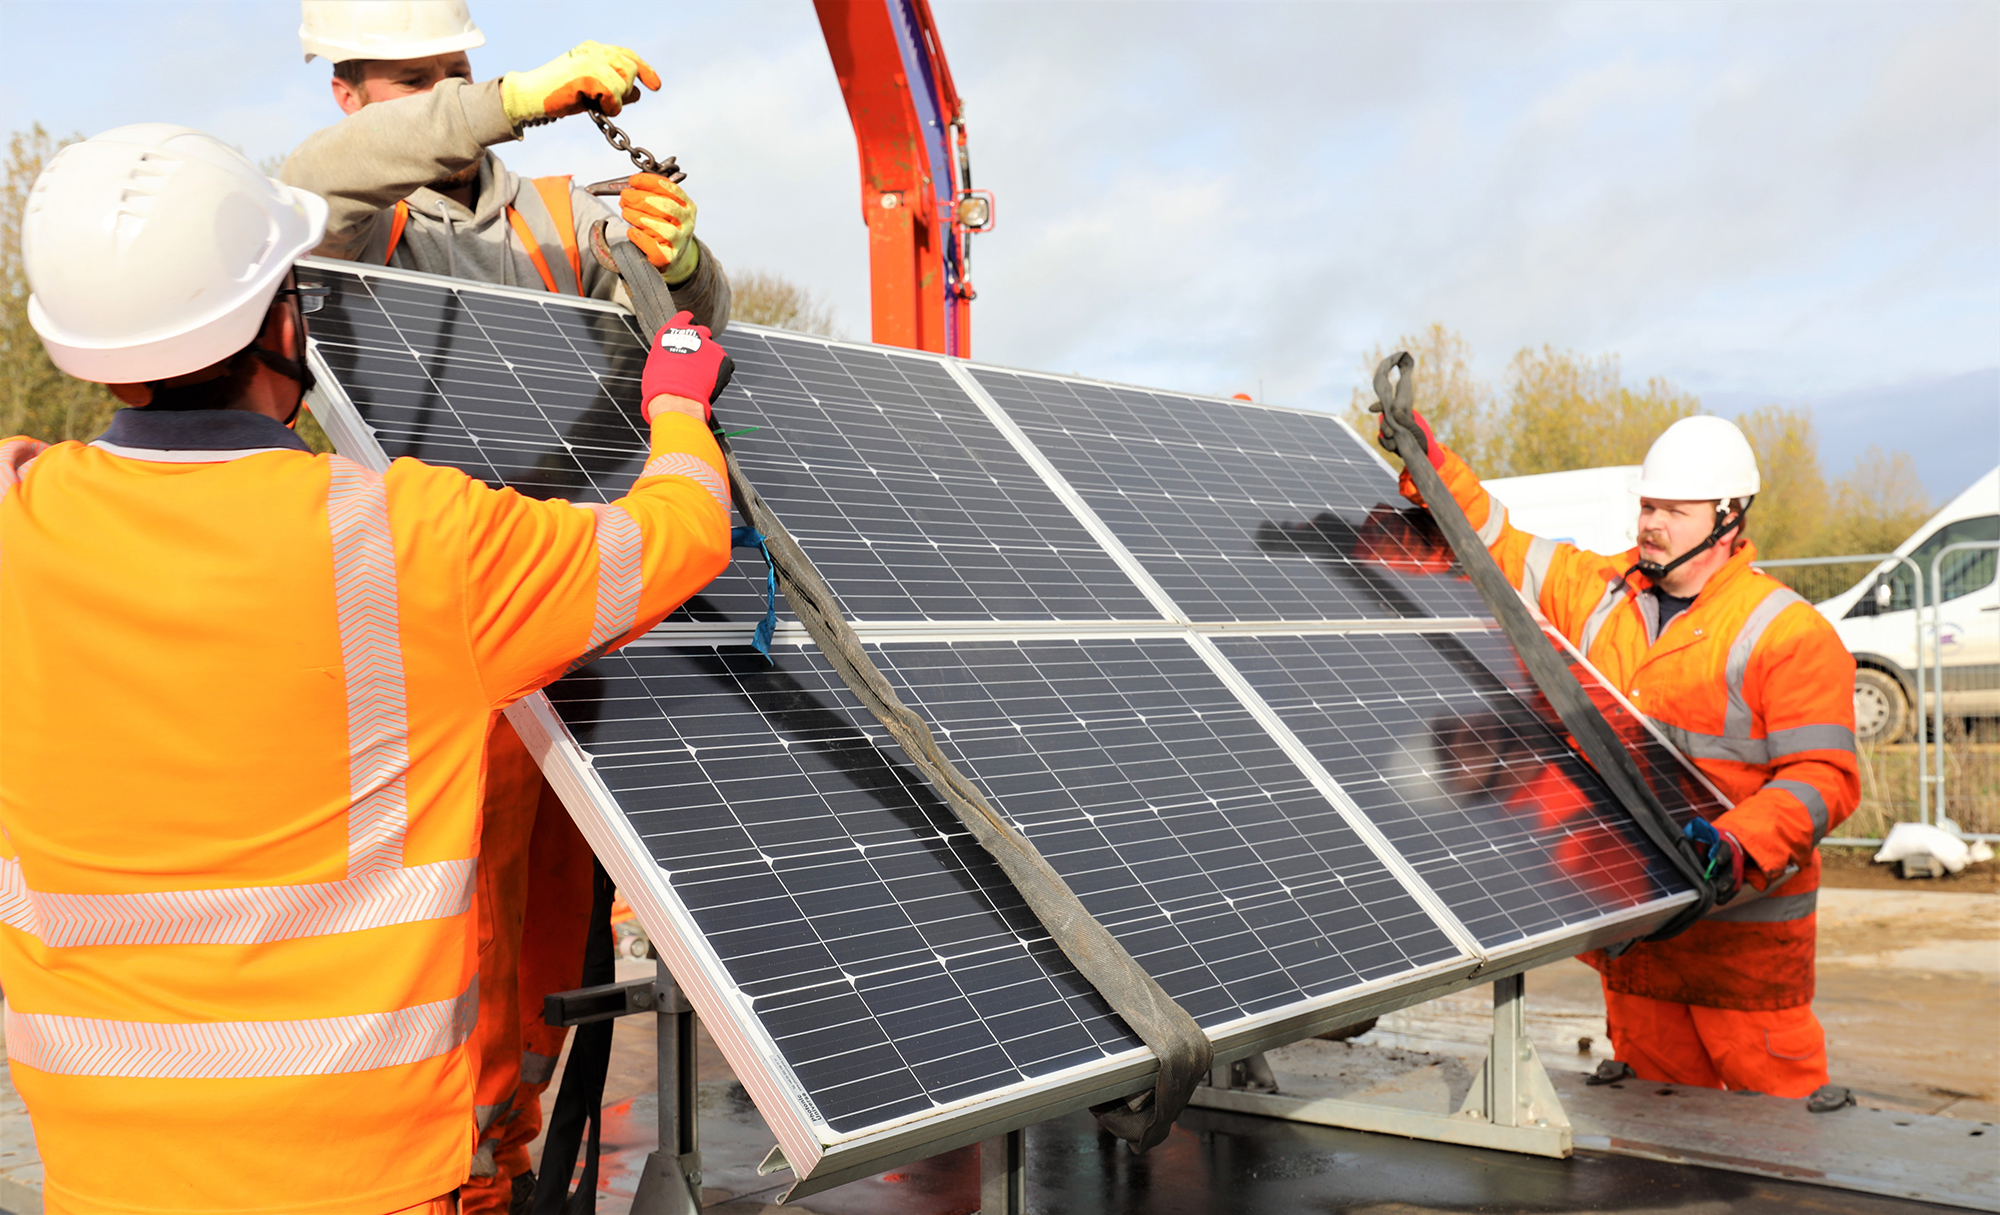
(1737, 720)
(159, 456)
(694, 468)
(1614, 594)
(620, 579)
(371, 653)
(244, 915)
(1496, 519)
(236, 1050)
(1535, 568)
(1811, 738)
(483, 1115)
(1780, 910)
(537, 1069)
(1711, 746)
(1815, 804)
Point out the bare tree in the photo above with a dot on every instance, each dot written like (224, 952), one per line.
(759, 297)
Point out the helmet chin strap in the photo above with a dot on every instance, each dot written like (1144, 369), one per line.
(1723, 522)
(292, 369)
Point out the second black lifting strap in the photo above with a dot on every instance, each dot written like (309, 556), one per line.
(1594, 736)
(1167, 1029)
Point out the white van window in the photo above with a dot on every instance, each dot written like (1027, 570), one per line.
(1961, 573)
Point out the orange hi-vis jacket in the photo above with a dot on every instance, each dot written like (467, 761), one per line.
(245, 692)
(1756, 688)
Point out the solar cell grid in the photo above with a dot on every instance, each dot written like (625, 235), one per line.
(912, 503)
(1465, 772)
(1173, 815)
(1240, 513)
(823, 872)
(883, 951)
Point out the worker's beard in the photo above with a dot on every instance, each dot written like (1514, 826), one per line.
(464, 177)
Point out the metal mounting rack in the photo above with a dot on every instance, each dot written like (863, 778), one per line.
(671, 1182)
(1512, 1107)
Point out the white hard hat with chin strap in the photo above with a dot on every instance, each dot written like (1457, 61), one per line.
(1699, 459)
(339, 30)
(153, 251)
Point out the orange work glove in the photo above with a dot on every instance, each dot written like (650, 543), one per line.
(593, 76)
(662, 219)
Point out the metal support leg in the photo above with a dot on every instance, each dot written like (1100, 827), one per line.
(1003, 1174)
(671, 1182)
(1512, 1106)
(1513, 1089)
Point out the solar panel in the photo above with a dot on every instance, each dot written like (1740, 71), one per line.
(1240, 513)
(1198, 652)
(912, 503)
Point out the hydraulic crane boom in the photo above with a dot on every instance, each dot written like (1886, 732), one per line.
(916, 183)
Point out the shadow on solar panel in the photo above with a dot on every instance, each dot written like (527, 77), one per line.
(1199, 652)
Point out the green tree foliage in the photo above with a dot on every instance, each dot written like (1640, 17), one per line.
(1876, 506)
(35, 398)
(761, 298)
(1564, 410)
(1791, 509)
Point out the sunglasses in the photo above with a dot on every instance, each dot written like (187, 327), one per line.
(312, 296)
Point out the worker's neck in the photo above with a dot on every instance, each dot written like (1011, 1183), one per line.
(466, 196)
(1688, 581)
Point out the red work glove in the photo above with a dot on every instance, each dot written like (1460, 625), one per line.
(685, 361)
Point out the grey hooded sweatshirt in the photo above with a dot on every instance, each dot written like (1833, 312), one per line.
(391, 151)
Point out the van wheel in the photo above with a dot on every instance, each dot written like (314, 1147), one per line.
(1881, 712)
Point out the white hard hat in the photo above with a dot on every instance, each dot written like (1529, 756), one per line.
(153, 250)
(340, 30)
(1703, 458)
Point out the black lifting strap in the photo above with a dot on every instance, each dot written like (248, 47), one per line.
(1165, 1027)
(1594, 736)
(576, 1121)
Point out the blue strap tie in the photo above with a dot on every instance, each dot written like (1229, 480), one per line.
(749, 537)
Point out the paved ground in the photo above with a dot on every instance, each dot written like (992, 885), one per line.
(1909, 990)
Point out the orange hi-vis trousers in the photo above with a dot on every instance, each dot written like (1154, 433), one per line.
(540, 909)
(1781, 1052)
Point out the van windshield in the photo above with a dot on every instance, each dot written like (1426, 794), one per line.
(1961, 573)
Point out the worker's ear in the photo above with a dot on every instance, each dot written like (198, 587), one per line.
(347, 97)
(136, 395)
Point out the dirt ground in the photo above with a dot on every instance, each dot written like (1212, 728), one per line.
(1851, 869)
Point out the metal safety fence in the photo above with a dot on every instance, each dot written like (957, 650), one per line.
(1927, 700)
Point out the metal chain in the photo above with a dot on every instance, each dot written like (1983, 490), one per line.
(643, 159)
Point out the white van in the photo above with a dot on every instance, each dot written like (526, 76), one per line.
(1875, 619)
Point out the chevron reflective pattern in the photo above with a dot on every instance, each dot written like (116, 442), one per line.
(371, 652)
(251, 915)
(621, 576)
(694, 468)
(238, 1050)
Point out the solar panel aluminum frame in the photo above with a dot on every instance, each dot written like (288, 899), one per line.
(820, 1157)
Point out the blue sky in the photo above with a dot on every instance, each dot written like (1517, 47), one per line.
(1794, 202)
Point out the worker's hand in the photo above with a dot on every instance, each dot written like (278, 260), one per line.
(661, 216)
(1721, 856)
(593, 76)
(1432, 448)
(684, 362)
